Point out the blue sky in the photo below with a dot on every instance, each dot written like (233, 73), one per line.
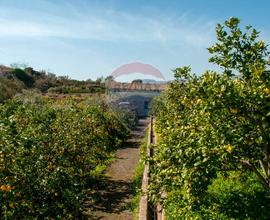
(88, 39)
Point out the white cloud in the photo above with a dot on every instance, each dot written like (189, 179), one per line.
(23, 29)
(112, 26)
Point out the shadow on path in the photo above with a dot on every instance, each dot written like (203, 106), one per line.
(115, 192)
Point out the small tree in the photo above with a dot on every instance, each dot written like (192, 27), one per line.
(237, 50)
(216, 122)
(243, 53)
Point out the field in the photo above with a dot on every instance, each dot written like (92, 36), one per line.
(53, 152)
(61, 142)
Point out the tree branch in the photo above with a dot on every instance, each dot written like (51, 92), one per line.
(263, 167)
(261, 178)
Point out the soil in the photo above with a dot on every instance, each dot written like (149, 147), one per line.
(117, 190)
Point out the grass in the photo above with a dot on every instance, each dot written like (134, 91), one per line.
(138, 175)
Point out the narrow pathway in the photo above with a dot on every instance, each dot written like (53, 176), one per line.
(116, 193)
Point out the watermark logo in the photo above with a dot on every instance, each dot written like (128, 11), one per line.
(134, 96)
(130, 68)
(116, 90)
(137, 67)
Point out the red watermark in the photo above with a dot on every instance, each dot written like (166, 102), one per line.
(137, 67)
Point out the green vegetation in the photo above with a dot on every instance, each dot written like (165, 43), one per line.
(126, 116)
(52, 154)
(234, 195)
(14, 80)
(8, 88)
(27, 79)
(138, 175)
(213, 153)
(79, 90)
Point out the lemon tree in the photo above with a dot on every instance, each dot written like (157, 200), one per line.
(214, 123)
(51, 153)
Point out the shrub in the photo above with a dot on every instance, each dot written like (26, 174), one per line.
(231, 196)
(8, 88)
(213, 122)
(50, 154)
(24, 77)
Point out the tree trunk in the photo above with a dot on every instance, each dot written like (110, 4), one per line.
(266, 150)
(262, 179)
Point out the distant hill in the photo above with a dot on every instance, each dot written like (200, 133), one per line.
(14, 80)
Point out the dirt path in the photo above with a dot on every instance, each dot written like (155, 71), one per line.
(116, 193)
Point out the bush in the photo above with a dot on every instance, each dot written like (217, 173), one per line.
(8, 88)
(75, 89)
(127, 116)
(24, 77)
(213, 122)
(50, 154)
(231, 196)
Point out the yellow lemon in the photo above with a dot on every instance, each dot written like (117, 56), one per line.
(229, 148)
(199, 101)
(3, 187)
(11, 205)
(6, 188)
(234, 110)
(267, 91)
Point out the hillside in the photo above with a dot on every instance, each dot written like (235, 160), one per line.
(14, 80)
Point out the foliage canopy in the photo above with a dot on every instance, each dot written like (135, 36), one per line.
(215, 123)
